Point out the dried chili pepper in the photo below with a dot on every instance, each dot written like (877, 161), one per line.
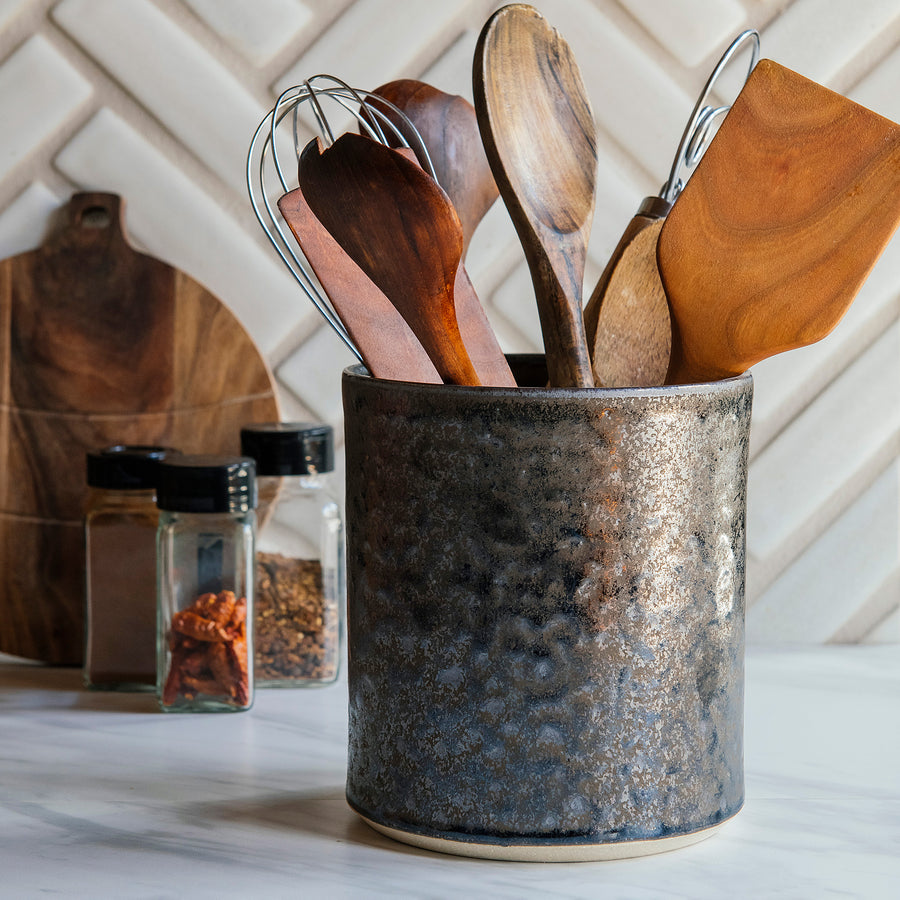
(208, 651)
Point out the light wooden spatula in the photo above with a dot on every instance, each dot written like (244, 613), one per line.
(778, 227)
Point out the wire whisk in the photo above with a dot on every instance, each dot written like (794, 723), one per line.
(699, 130)
(272, 166)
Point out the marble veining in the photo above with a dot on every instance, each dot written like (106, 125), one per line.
(102, 796)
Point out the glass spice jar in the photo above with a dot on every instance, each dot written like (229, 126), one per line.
(205, 581)
(300, 555)
(120, 567)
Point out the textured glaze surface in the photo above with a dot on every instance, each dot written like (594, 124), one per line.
(546, 608)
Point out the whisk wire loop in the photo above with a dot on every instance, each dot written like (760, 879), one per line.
(272, 169)
(699, 130)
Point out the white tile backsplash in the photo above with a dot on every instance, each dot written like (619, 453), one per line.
(157, 100)
(690, 29)
(39, 91)
(191, 93)
(259, 29)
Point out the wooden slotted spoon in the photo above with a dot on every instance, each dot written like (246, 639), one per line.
(779, 225)
(538, 132)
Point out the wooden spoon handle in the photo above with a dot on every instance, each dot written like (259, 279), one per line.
(559, 304)
(388, 346)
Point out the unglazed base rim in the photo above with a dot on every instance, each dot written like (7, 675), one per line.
(560, 852)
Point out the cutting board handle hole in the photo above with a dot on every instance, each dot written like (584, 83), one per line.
(95, 217)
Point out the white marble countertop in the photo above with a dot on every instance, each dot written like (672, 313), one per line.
(102, 796)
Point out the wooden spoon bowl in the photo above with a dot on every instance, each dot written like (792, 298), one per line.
(538, 132)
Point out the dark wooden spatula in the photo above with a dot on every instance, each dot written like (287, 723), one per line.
(779, 225)
(475, 329)
(401, 229)
(387, 344)
(448, 127)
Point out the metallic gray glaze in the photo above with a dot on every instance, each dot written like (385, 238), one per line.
(546, 608)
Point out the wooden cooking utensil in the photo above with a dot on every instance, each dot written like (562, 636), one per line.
(401, 229)
(474, 327)
(99, 345)
(538, 132)
(779, 225)
(387, 344)
(448, 127)
(478, 336)
(627, 320)
(632, 334)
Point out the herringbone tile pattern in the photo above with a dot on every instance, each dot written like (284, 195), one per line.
(157, 100)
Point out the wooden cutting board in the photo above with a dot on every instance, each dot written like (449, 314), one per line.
(99, 345)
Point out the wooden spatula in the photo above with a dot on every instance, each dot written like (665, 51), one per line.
(448, 127)
(779, 225)
(388, 346)
(475, 329)
(401, 229)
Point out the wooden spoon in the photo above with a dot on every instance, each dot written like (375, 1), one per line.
(538, 132)
(448, 127)
(779, 225)
(627, 320)
(401, 229)
(632, 337)
(387, 344)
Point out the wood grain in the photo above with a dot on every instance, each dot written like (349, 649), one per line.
(448, 127)
(100, 344)
(475, 329)
(633, 337)
(779, 225)
(387, 344)
(400, 228)
(538, 133)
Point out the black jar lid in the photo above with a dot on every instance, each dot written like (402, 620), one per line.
(126, 467)
(289, 448)
(207, 484)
